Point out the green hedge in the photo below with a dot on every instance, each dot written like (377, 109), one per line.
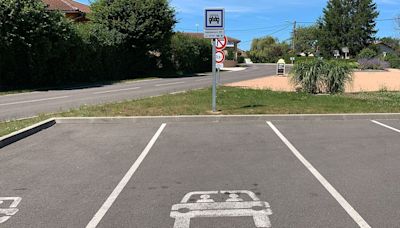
(189, 54)
(42, 48)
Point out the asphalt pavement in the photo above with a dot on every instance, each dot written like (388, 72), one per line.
(237, 172)
(24, 105)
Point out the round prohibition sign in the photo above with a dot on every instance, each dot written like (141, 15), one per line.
(221, 44)
(220, 56)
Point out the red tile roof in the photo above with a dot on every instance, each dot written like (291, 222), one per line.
(66, 6)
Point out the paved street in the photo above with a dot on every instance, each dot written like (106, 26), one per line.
(31, 104)
(205, 172)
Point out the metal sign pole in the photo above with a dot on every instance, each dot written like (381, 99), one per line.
(219, 76)
(214, 86)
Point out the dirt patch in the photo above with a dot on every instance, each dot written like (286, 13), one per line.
(362, 82)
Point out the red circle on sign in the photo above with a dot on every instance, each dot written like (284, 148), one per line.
(221, 44)
(223, 56)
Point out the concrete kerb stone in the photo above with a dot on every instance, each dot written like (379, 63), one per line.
(26, 132)
(227, 118)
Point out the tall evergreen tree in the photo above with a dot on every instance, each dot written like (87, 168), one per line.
(347, 23)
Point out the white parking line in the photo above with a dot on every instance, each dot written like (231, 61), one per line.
(121, 185)
(117, 90)
(32, 101)
(387, 126)
(167, 84)
(338, 197)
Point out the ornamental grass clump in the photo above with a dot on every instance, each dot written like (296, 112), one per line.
(319, 76)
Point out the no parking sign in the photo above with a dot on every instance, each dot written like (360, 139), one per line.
(221, 43)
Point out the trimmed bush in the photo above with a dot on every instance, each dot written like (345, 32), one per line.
(367, 53)
(321, 76)
(124, 39)
(34, 44)
(189, 54)
(241, 59)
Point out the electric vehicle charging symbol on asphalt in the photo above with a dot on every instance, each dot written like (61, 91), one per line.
(234, 206)
(6, 213)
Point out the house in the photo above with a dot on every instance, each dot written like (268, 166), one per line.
(71, 9)
(384, 48)
(231, 51)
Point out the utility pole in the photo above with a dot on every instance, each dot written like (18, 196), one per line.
(294, 37)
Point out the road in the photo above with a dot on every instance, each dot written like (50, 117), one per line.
(229, 172)
(31, 104)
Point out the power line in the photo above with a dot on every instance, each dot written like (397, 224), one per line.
(277, 31)
(240, 30)
(389, 19)
(269, 28)
(253, 29)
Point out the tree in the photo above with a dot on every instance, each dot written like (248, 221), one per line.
(142, 25)
(347, 23)
(306, 39)
(267, 49)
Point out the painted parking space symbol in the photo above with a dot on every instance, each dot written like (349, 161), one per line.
(8, 207)
(211, 204)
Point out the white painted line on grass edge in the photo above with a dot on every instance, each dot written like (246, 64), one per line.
(32, 101)
(124, 181)
(338, 197)
(178, 92)
(167, 84)
(116, 90)
(387, 126)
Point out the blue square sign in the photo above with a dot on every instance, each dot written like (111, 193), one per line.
(214, 19)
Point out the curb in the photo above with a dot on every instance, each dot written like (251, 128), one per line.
(227, 118)
(26, 132)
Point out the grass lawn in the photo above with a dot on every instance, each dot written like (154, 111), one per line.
(232, 101)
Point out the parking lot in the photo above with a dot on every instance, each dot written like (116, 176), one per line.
(204, 172)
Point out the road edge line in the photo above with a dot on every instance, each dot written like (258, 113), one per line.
(386, 126)
(335, 194)
(124, 181)
(26, 132)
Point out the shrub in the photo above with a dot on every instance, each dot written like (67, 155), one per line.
(393, 60)
(230, 55)
(189, 54)
(241, 59)
(372, 64)
(317, 76)
(367, 53)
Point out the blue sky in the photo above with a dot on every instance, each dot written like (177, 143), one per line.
(248, 19)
